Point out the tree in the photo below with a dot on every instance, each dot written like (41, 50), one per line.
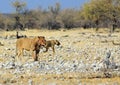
(67, 18)
(53, 13)
(20, 8)
(99, 11)
(2, 25)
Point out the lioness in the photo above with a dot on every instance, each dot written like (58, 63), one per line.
(30, 45)
(51, 43)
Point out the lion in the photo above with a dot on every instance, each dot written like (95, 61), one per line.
(51, 43)
(29, 44)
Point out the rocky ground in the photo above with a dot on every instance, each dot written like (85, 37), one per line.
(84, 58)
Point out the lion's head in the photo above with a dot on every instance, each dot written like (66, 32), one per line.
(41, 40)
(57, 42)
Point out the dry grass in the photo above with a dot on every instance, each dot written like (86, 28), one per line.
(59, 79)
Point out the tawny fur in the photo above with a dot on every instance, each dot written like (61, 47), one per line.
(51, 43)
(29, 44)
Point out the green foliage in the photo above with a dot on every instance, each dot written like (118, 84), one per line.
(102, 10)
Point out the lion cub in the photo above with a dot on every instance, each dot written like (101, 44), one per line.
(51, 43)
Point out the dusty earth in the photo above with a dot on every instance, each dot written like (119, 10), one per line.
(85, 57)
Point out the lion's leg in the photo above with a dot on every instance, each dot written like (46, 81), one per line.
(33, 54)
(18, 55)
(36, 55)
(53, 49)
(22, 56)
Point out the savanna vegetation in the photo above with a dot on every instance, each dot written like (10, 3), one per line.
(93, 14)
(85, 57)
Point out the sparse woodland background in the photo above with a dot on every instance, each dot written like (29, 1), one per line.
(94, 14)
